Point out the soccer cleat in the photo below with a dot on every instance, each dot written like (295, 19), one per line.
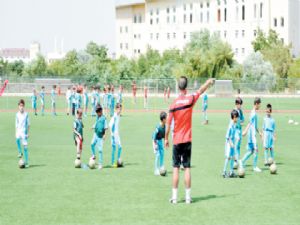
(188, 201)
(224, 175)
(115, 165)
(266, 163)
(100, 167)
(156, 173)
(20, 155)
(232, 175)
(27, 165)
(256, 169)
(173, 201)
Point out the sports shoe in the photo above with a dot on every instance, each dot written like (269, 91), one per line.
(156, 173)
(115, 165)
(100, 167)
(266, 163)
(20, 155)
(188, 201)
(224, 175)
(173, 201)
(256, 169)
(232, 175)
(27, 165)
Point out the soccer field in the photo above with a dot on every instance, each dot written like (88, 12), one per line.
(52, 191)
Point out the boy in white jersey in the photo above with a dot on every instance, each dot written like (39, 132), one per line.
(22, 131)
(269, 134)
(115, 137)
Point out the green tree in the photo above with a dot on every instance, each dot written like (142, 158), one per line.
(37, 67)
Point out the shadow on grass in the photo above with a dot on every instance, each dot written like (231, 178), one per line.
(207, 197)
(37, 165)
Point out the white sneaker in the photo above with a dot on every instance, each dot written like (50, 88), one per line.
(100, 167)
(256, 169)
(156, 173)
(173, 201)
(188, 201)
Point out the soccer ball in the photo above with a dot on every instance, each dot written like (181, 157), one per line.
(273, 169)
(119, 163)
(77, 163)
(92, 163)
(235, 165)
(241, 172)
(291, 121)
(270, 161)
(296, 123)
(21, 164)
(163, 172)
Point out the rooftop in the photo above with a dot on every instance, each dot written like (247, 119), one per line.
(120, 4)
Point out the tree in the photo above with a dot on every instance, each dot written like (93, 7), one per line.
(15, 68)
(37, 67)
(294, 71)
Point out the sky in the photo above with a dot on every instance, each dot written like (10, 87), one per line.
(76, 22)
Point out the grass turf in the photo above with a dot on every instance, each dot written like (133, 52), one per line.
(52, 191)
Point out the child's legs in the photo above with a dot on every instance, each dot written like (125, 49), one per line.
(227, 156)
(156, 162)
(248, 153)
(79, 146)
(25, 145)
(161, 153)
(255, 158)
(272, 153)
(18, 141)
(118, 143)
(113, 145)
(100, 150)
(93, 144)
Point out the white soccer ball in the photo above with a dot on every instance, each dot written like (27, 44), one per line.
(77, 163)
(92, 163)
(291, 121)
(241, 172)
(119, 163)
(273, 169)
(163, 172)
(235, 165)
(21, 164)
(270, 161)
(296, 123)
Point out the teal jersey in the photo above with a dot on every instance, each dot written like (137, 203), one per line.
(109, 96)
(241, 119)
(119, 99)
(253, 127)
(269, 124)
(112, 101)
(42, 95)
(100, 126)
(33, 98)
(205, 98)
(53, 95)
(159, 132)
(86, 97)
(78, 99)
(231, 130)
(78, 126)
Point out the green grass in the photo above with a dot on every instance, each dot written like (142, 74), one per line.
(52, 191)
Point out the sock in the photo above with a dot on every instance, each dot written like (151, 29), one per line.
(18, 141)
(156, 163)
(93, 149)
(188, 193)
(246, 157)
(206, 118)
(231, 165)
(225, 165)
(272, 153)
(26, 154)
(255, 159)
(266, 155)
(119, 151)
(100, 158)
(174, 193)
(113, 154)
(161, 157)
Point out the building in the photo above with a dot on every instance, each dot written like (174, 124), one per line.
(57, 54)
(164, 24)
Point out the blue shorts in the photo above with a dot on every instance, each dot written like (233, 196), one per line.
(205, 106)
(252, 146)
(268, 139)
(229, 151)
(34, 105)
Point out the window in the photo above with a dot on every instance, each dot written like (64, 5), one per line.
(207, 17)
(201, 17)
(275, 22)
(126, 29)
(121, 46)
(243, 12)
(201, 5)
(282, 21)
(243, 51)
(174, 35)
(243, 33)
(184, 7)
(282, 40)
(255, 33)
(174, 9)
(139, 51)
(157, 36)
(157, 11)
(191, 6)
(134, 36)
(174, 19)
(151, 12)
(121, 30)
(140, 19)
(168, 19)
(168, 10)
(261, 10)
(135, 19)
(127, 46)
(139, 36)
(151, 21)
(236, 51)
(207, 4)
(157, 20)
(134, 51)
(225, 33)
(255, 11)
(236, 34)
(184, 18)
(184, 35)
(219, 15)
(236, 13)
(191, 18)
(225, 14)
(151, 36)
(168, 36)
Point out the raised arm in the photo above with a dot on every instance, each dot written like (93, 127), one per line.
(204, 87)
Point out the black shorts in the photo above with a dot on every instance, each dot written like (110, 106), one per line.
(182, 155)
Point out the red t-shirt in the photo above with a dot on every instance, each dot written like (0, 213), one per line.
(181, 111)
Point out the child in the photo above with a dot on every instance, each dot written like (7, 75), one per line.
(42, 96)
(85, 99)
(112, 103)
(145, 97)
(100, 128)
(78, 99)
(168, 93)
(53, 97)
(115, 137)
(134, 89)
(78, 132)
(22, 131)
(93, 101)
(33, 101)
(165, 95)
(68, 98)
(269, 134)
(158, 143)
(108, 101)
(241, 119)
(204, 107)
(230, 144)
(120, 93)
(252, 143)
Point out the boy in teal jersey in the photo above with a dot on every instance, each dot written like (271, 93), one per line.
(158, 143)
(78, 133)
(252, 142)
(78, 100)
(33, 101)
(112, 103)
(22, 131)
(269, 134)
(241, 119)
(115, 135)
(230, 144)
(94, 101)
(53, 100)
(42, 96)
(120, 95)
(85, 99)
(100, 128)
(204, 107)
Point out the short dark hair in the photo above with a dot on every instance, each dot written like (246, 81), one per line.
(54, 86)
(162, 116)
(79, 110)
(238, 101)
(182, 83)
(99, 108)
(269, 106)
(257, 100)
(234, 114)
(118, 105)
(43, 87)
(21, 101)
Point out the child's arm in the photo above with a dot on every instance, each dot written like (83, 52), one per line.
(204, 87)
(246, 129)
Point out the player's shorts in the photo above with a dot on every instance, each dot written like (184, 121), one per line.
(205, 106)
(268, 139)
(53, 104)
(115, 140)
(33, 105)
(229, 151)
(182, 155)
(252, 146)
(21, 135)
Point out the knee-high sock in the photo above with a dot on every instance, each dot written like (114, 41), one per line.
(255, 158)
(225, 165)
(272, 153)
(93, 148)
(247, 156)
(18, 141)
(231, 164)
(156, 163)
(161, 157)
(26, 154)
(100, 157)
(113, 151)
(119, 151)
(266, 155)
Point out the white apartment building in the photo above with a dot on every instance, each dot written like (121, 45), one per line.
(164, 24)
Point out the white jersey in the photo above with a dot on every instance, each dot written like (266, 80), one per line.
(114, 124)
(22, 123)
(68, 95)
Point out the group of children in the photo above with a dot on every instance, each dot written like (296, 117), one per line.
(234, 137)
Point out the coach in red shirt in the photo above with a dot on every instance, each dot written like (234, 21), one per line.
(181, 112)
